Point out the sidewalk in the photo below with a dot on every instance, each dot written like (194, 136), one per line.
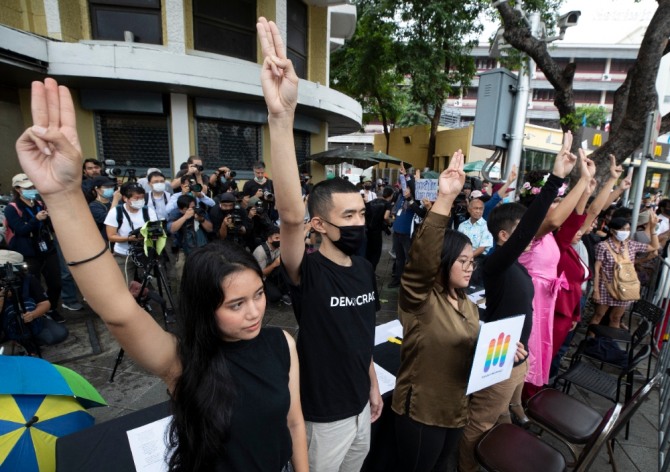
(91, 351)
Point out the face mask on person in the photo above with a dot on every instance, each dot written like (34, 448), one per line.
(622, 235)
(351, 238)
(275, 244)
(159, 187)
(107, 193)
(259, 179)
(507, 200)
(137, 204)
(30, 194)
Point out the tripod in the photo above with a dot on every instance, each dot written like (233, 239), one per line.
(153, 269)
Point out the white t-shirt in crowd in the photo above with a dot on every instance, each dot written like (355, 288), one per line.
(663, 224)
(137, 220)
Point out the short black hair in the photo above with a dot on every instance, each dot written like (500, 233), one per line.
(259, 165)
(154, 174)
(132, 188)
(454, 242)
(186, 178)
(387, 192)
(90, 160)
(617, 223)
(504, 217)
(184, 201)
(623, 212)
(321, 196)
(194, 158)
(274, 229)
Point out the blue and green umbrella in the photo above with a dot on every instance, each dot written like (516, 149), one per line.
(40, 402)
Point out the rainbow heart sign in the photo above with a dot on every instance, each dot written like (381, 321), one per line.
(494, 354)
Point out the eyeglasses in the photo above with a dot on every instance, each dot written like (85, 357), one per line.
(467, 264)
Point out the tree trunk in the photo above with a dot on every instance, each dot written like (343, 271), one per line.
(434, 123)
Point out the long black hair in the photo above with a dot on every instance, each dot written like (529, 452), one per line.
(204, 393)
(453, 245)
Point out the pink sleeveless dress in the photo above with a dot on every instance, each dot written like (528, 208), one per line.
(541, 262)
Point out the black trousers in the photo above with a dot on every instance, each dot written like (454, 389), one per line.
(373, 250)
(424, 448)
(47, 266)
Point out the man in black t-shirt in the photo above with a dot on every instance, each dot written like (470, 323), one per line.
(333, 292)
(377, 220)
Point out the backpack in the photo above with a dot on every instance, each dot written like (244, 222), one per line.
(624, 286)
(9, 233)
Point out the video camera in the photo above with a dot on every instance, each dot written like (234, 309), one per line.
(113, 172)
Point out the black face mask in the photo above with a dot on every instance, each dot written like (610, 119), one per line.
(351, 238)
(275, 244)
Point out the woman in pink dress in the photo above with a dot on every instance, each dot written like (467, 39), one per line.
(541, 262)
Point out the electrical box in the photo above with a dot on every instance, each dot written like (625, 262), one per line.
(495, 105)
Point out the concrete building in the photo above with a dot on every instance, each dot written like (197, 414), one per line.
(155, 81)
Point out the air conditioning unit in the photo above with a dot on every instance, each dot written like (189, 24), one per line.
(458, 103)
(606, 77)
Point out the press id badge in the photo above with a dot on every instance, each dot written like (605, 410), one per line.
(43, 246)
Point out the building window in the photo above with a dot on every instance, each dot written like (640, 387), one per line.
(227, 28)
(621, 66)
(587, 97)
(543, 95)
(233, 144)
(111, 18)
(135, 141)
(590, 66)
(296, 31)
(302, 149)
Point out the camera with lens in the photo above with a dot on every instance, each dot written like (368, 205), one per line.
(231, 174)
(237, 214)
(199, 211)
(199, 167)
(259, 207)
(194, 186)
(8, 277)
(110, 169)
(155, 229)
(268, 196)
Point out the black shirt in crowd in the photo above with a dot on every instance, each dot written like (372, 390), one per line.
(335, 307)
(509, 288)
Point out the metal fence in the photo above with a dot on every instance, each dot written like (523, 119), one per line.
(661, 298)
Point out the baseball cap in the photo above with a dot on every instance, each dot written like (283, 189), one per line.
(227, 197)
(21, 180)
(475, 194)
(103, 181)
(643, 218)
(152, 169)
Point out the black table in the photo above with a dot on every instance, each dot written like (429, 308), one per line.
(105, 447)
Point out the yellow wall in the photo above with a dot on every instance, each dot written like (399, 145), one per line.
(26, 15)
(11, 127)
(413, 151)
(188, 24)
(268, 9)
(317, 56)
(74, 19)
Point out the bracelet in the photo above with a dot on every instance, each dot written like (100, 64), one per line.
(74, 263)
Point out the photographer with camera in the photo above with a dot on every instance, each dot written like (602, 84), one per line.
(29, 232)
(267, 256)
(223, 180)
(191, 228)
(189, 186)
(23, 306)
(260, 186)
(194, 169)
(107, 196)
(91, 168)
(229, 220)
(259, 220)
(124, 223)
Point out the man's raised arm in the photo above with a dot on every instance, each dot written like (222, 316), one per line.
(280, 88)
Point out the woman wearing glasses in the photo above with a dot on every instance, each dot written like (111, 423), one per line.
(440, 329)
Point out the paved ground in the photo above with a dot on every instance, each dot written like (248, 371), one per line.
(91, 351)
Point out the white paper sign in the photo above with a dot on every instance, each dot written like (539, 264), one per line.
(148, 446)
(385, 379)
(494, 355)
(425, 188)
(388, 330)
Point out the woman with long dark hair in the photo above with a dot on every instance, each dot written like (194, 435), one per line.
(233, 384)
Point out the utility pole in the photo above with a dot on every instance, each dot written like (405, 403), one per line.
(520, 108)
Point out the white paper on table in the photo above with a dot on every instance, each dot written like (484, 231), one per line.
(148, 446)
(388, 330)
(494, 354)
(385, 379)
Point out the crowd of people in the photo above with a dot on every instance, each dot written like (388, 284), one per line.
(248, 397)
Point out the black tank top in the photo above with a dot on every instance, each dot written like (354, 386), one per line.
(259, 436)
